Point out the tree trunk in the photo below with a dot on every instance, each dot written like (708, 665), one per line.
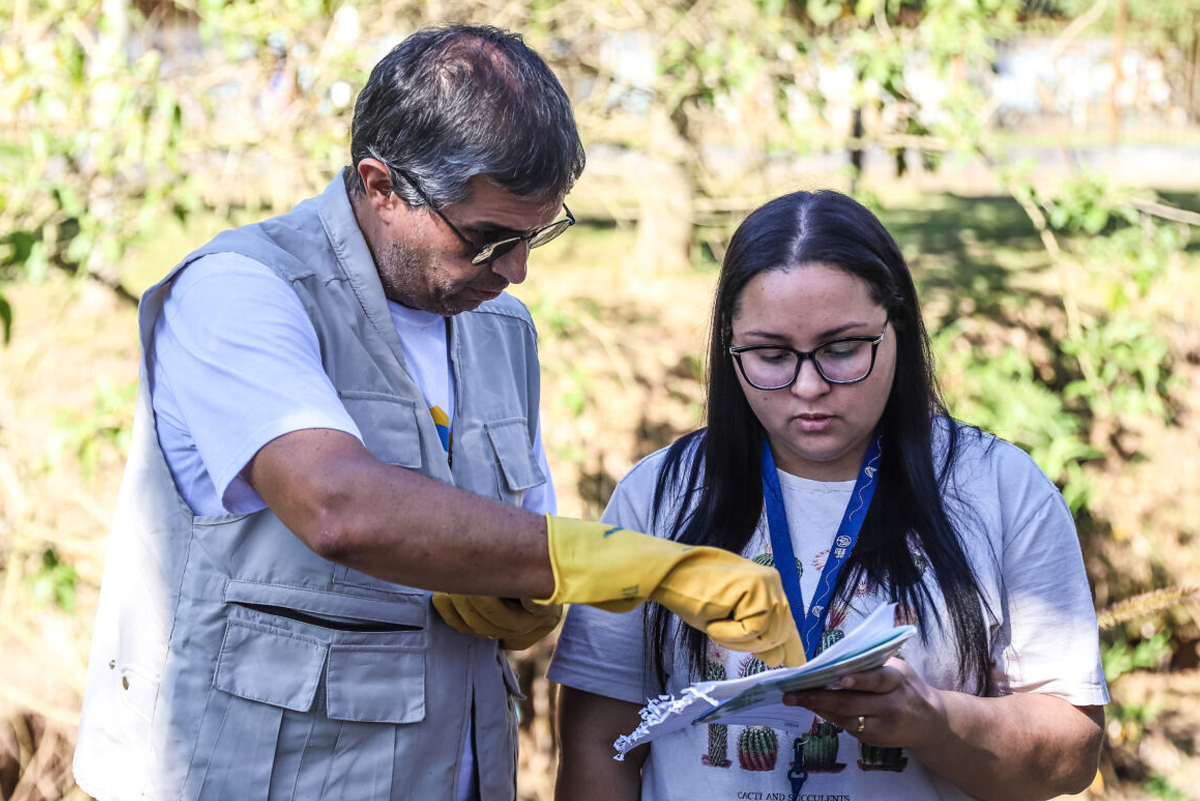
(1118, 58)
(665, 198)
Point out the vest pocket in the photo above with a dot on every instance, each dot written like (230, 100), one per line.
(271, 666)
(369, 676)
(388, 425)
(518, 467)
(235, 750)
(376, 684)
(261, 671)
(401, 609)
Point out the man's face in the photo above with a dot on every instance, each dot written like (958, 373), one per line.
(424, 265)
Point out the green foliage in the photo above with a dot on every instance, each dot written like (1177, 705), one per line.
(1127, 722)
(91, 142)
(1120, 656)
(1159, 786)
(1132, 369)
(570, 453)
(54, 582)
(6, 319)
(100, 138)
(88, 433)
(1084, 203)
(1061, 393)
(1125, 252)
(1003, 393)
(557, 322)
(553, 321)
(578, 395)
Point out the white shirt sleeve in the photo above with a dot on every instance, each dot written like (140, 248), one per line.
(602, 652)
(1049, 640)
(236, 364)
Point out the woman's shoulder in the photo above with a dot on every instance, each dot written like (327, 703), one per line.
(656, 481)
(983, 457)
(676, 458)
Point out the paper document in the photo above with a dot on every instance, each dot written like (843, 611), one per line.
(758, 700)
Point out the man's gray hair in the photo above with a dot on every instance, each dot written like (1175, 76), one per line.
(455, 101)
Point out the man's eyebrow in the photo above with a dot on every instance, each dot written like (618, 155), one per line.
(489, 229)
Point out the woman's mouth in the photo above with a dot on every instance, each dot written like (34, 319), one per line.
(812, 422)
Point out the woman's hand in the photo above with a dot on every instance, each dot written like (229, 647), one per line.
(1020, 747)
(889, 706)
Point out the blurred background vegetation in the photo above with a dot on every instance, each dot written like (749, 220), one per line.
(1038, 160)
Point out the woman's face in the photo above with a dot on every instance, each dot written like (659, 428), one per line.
(817, 430)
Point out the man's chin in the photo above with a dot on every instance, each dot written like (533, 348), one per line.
(471, 299)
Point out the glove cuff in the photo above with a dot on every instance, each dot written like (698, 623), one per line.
(556, 596)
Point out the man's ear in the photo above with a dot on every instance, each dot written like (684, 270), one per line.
(377, 183)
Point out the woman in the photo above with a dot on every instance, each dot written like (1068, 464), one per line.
(821, 391)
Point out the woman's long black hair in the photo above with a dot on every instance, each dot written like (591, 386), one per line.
(718, 469)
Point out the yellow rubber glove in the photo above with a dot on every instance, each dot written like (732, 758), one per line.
(739, 604)
(518, 624)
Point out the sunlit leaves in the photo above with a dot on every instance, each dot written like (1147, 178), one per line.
(6, 319)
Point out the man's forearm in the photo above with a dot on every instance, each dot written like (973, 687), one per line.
(396, 524)
(403, 527)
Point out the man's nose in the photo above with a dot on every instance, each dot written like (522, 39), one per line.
(513, 265)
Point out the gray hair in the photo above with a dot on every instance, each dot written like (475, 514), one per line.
(455, 101)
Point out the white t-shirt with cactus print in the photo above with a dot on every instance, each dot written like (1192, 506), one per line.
(1022, 543)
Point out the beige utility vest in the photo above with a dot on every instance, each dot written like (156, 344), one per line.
(229, 661)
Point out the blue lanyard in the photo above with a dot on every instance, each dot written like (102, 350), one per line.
(811, 621)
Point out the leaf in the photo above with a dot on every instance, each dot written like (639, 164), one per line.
(6, 318)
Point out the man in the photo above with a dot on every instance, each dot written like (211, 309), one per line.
(338, 414)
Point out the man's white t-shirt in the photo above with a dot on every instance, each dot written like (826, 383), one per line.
(1022, 545)
(237, 364)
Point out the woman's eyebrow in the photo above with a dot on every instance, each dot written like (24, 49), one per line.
(824, 336)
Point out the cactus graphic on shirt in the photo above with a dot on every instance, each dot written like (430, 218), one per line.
(828, 638)
(718, 733)
(821, 748)
(906, 615)
(874, 757)
(919, 560)
(833, 627)
(768, 560)
(758, 746)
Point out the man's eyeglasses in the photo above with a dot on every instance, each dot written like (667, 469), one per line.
(841, 361)
(490, 251)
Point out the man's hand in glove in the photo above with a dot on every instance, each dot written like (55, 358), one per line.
(518, 624)
(739, 604)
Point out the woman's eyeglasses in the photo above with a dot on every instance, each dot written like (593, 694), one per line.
(841, 361)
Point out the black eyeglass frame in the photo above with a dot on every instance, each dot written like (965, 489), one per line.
(490, 251)
(801, 355)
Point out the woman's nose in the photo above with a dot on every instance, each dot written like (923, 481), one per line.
(809, 382)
